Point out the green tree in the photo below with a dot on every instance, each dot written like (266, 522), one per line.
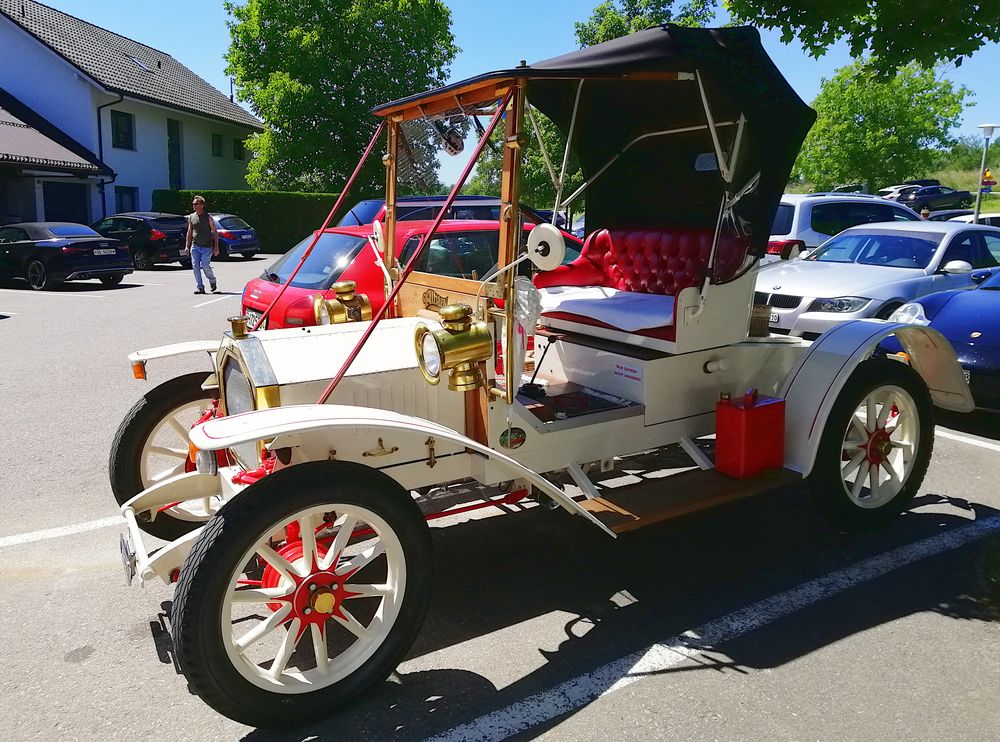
(964, 154)
(609, 20)
(314, 69)
(878, 130)
(894, 32)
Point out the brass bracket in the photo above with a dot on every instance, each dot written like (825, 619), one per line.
(381, 450)
(431, 459)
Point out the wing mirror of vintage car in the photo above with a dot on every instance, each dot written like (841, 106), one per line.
(349, 306)
(957, 267)
(461, 346)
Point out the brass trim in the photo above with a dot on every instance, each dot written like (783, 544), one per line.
(431, 458)
(267, 397)
(381, 450)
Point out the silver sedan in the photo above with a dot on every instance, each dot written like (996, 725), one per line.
(870, 270)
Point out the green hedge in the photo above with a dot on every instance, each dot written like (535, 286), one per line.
(282, 218)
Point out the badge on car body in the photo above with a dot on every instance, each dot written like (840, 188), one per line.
(513, 438)
(976, 334)
(775, 288)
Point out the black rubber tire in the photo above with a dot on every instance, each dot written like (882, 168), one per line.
(194, 617)
(111, 280)
(888, 309)
(825, 483)
(38, 276)
(142, 260)
(123, 462)
(185, 263)
(249, 255)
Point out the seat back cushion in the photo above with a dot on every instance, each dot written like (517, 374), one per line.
(648, 261)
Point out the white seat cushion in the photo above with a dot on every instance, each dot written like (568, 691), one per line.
(627, 310)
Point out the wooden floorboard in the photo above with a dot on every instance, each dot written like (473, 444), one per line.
(657, 500)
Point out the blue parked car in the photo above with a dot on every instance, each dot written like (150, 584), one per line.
(236, 237)
(970, 320)
(48, 253)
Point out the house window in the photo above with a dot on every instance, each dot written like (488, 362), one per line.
(126, 199)
(239, 151)
(216, 145)
(122, 130)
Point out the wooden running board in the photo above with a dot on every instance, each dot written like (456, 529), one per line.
(657, 500)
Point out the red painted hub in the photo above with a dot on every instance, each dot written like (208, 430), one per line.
(316, 597)
(878, 447)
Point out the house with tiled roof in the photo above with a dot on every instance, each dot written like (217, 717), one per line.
(92, 122)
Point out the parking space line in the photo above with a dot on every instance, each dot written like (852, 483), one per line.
(212, 301)
(584, 689)
(91, 525)
(966, 439)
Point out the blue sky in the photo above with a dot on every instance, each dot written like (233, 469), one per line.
(194, 32)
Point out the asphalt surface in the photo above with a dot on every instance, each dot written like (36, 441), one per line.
(757, 621)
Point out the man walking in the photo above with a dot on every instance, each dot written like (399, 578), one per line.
(202, 232)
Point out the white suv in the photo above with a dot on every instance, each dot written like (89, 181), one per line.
(806, 220)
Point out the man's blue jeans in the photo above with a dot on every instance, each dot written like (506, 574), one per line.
(201, 260)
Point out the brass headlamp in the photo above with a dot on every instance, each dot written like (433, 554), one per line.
(462, 347)
(349, 306)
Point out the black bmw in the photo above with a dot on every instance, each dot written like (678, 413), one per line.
(48, 253)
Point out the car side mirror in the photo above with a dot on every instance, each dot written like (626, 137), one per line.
(957, 267)
(980, 276)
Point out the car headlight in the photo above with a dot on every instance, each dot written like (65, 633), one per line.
(840, 304)
(461, 346)
(910, 314)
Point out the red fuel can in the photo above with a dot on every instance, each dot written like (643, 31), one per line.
(749, 435)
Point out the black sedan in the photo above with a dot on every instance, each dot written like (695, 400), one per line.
(935, 197)
(152, 237)
(48, 253)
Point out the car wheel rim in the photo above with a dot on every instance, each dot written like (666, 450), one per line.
(36, 275)
(879, 447)
(313, 599)
(165, 454)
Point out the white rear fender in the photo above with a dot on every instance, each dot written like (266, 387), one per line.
(295, 425)
(812, 387)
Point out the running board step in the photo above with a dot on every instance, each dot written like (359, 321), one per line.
(657, 500)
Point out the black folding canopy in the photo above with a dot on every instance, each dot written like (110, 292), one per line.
(668, 180)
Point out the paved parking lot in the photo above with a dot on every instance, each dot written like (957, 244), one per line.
(756, 621)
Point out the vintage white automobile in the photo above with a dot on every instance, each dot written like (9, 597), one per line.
(291, 496)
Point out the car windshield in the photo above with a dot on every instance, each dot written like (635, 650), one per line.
(233, 222)
(782, 224)
(333, 253)
(875, 248)
(71, 230)
(363, 212)
(169, 222)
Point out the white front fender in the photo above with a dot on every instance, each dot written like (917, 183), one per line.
(287, 425)
(812, 387)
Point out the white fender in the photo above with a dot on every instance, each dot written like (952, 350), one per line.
(286, 424)
(178, 488)
(176, 349)
(812, 387)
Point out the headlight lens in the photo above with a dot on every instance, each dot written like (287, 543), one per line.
(910, 314)
(840, 304)
(321, 311)
(239, 398)
(431, 354)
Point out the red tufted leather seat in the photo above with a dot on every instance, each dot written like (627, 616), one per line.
(651, 261)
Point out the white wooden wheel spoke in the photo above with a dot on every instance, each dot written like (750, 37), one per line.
(905, 446)
(852, 445)
(281, 565)
(178, 427)
(339, 542)
(320, 649)
(859, 426)
(883, 414)
(367, 591)
(853, 464)
(891, 471)
(309, 556)
(167, 473)
(366, 557)
(352, 624)
(873, 481)
(263, 628)
(262, 594)
(177, 453)
(859, 482)
(284, 654)
(871, 414)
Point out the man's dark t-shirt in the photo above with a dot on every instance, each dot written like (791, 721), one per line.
(202, 226)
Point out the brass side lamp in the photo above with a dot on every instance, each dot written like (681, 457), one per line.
(349, 306)
(461, 347)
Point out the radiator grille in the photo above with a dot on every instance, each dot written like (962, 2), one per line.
(778, 301)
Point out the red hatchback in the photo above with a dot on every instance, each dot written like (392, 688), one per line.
(462, 249)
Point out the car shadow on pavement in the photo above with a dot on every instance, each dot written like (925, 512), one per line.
(628, 594)
(980, 422)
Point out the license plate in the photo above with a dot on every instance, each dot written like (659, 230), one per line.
(246, 237)
(774, 317)
(128, 558)
(253, 317)
(108, 251)
(968, 375)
